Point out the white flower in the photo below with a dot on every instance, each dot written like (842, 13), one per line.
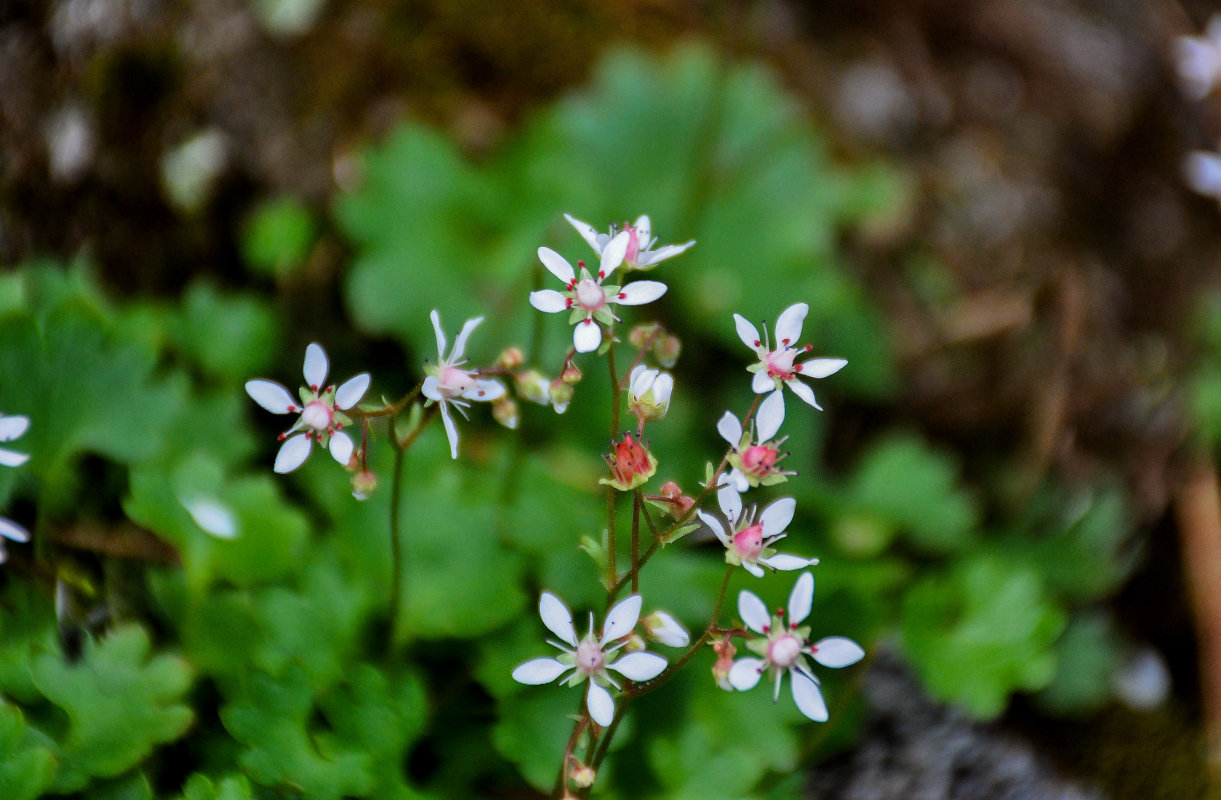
(649, 393)
(321, 411)
(1198, 59)
(211, 515)
(748, 540)
(1202, 171)
(448, 384)
(776, 368)
(639, 253)
(755, 452)
(587, 298)
(12, 427)
(591, 657)
(785, 648)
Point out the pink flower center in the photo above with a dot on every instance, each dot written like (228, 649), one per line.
(453, 382)
(317, 415)
(759, 460)
(589, 657)
(784, 651)
(748, 542)
(633, 246)
(780, 362)
(590, 295)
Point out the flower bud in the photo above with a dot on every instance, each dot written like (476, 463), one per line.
(363, 484)
(633, 643)
(510, 358)
(661, 627)
(666, 350)
(571, 375)
(649, 394)
(561, 395)
(631, 465)
(532, 386)
(582, 775)
(725, 651)
(504, 410)
(641, 336)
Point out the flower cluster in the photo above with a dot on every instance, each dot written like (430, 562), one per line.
(12, 427)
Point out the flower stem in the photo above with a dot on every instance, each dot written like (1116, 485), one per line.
(577, 729)
(636, 503)
(396, 539)
(612, 572)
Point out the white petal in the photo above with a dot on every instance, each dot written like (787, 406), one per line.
(715, 526)
(11, 530)
(664, 628)
(745, 673)
(13, 427)
(777, 516)
(770, 416)
(1202, 170)
(803, 391)
(451, 432)
(557, 265)
(538, 671)
(637, 293)
(730, 429)
(822, 367)
(639, 666)
(3, 552)
(557, 617)
(662, 253)
(271, 396)
(341, 448)
(663, 387)
(586, 336)
(784, 562)
(292, 453)
(429, 389)
(601, 707)
(644, 231)
(612, 255)
(641, 379)
(753, 568)
(621, 619)
(484, 390)
(316, 366)
(587, 231)
(801, 599)
(730, 502)
(212, 516)
(837, 651)
(460, 343)
(11, 458)
(350, 392)
(807, 696)
(436, 327)
(548, 301)
(747, 332)
(788, 325)
(753, 612)
(762, 382)
(737, 479)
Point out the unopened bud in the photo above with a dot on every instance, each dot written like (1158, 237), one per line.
(666, 350)
(641, 336)
(532, 386)
(504, 410)
(724, 650)
(649, 393)
(571, 375)
(561, 395)
(582, 776)
(634, 642)
(363, 484)
(661, 627)
(510, 358)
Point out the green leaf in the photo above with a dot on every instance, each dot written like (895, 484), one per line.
(27, 768)
(232, 787)
(232, 337)
(279, 236)
(120, 702)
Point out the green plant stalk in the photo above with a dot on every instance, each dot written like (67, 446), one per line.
(397, 554)
(612, 573)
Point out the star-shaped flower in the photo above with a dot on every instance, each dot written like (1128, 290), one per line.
(749, 537)
(776, 367)
(591, 657)
(640, 253)
(448, 384)
(784, 648)
(321, 411)
(755, 452)
(585, 295)
(12, 427)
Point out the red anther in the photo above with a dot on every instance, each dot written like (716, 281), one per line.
(293, 409)
(767, 628)
(581, 264)
(281, 437)
(785, 342)
(780, 612)
(808, 348)
(796, 368)
(792, 626)
(338, 426)
(568, 303)
(622, 295)
(313, 387)
(601, 274)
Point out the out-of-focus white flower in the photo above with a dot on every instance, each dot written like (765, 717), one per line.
(640, 253)
(448, 384)
(1198, 59)
(321, 411)
(649, 394)
(12, 426)
(211, 515)
(1202, 171)
(756, 453)
(587, 298)
(749, 537)
(784, 648)
(589, 658)
(776, 367)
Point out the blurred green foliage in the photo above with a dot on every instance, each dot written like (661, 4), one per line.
(262, 665)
